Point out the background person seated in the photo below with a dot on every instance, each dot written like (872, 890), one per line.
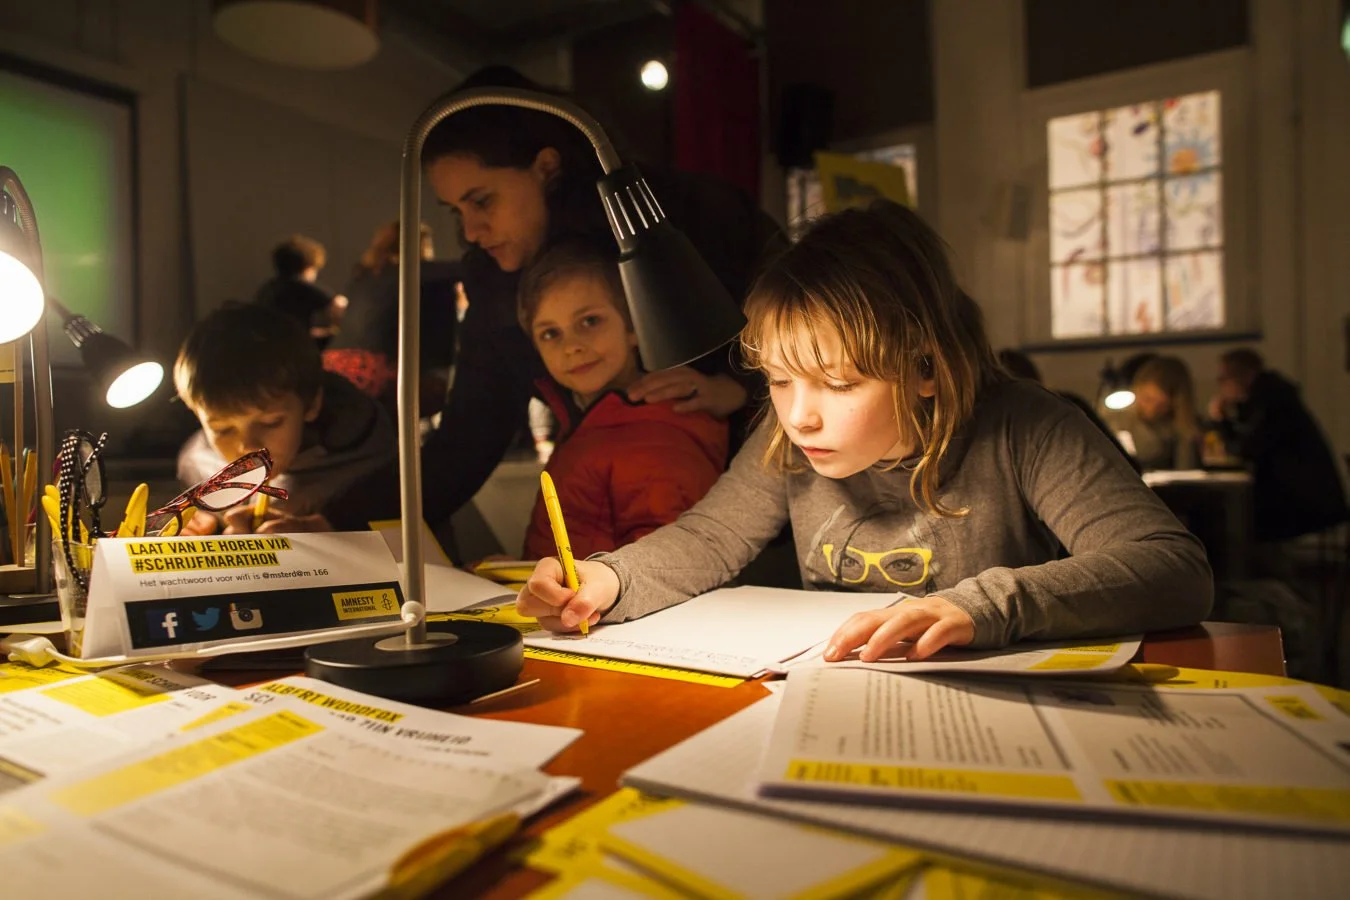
(294, 289)
(1296, 487)
(1164, 432)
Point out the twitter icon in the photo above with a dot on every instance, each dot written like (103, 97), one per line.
(207, 619)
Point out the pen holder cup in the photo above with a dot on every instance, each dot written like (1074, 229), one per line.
(71, 596)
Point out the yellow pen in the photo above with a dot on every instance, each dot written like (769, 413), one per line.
(133, 523)
(171, 529)
(29, 486)
(259, 511)
(555, 519)
(52, 506)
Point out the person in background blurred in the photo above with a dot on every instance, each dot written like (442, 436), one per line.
(1019, 365)
(365, 351)
(294, 289)
(1296, 488)
(1162, 423)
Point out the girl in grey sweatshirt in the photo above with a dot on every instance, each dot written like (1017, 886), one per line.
(907, 462)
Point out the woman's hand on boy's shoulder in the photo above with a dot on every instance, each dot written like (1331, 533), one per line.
(931, 623)
(692, 390)
(547, 597)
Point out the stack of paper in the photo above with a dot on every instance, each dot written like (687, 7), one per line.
(1160, 856)
(160, 784)
(1048, 658)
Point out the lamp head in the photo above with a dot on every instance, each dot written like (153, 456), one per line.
(123, 376)
(680, 310)
(21, 295)
(1115, 388)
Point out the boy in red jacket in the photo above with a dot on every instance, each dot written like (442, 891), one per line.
(624, 469)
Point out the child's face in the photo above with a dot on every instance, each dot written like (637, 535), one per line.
(278, 424)
(841, 421)
(584, 341)
(1152, 403)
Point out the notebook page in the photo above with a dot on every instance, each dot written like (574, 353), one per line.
(720, 764)
(732, 631)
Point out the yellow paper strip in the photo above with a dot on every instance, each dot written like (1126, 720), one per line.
(959, 781)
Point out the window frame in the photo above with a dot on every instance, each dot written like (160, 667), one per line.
(1225, 72)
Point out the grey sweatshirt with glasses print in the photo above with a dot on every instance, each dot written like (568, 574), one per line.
(1062, 538)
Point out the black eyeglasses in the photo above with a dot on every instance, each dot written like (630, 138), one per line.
(81, 485)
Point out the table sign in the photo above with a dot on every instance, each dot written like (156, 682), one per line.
(202, 596)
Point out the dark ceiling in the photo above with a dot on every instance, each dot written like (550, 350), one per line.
(476, 32)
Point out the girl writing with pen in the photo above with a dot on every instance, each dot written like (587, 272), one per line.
(908, 463)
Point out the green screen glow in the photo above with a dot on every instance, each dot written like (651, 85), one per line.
(72, 151)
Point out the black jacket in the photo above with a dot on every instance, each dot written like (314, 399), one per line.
(498, 370)
(1296, 487)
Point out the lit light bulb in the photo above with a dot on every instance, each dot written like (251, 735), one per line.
(135, 384)
(654, 75)
(1119, 399)
(21, 299)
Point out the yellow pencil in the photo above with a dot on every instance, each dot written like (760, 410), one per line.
(29, 484)
(11, 504)
(259, 511)
(172, 529)
(555, 519)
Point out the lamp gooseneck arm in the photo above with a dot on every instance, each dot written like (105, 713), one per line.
(410, 302)
(42, 377)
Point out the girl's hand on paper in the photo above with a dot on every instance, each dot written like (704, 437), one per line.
(547, 598)
(930, 622)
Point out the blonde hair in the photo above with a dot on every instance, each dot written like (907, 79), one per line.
(878, 278)
(1173, 377)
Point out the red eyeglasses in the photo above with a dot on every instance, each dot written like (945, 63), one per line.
(229, 487)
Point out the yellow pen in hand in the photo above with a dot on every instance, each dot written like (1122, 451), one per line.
(555, 519)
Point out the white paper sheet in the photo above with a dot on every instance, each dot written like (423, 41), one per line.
(1056, 659)
(55, 720)
(517, 743)
(279, 801)
(733, 631)
(719, 765)
(1273, 757)
(751, 855)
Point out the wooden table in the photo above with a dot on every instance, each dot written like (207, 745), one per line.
(626, 719)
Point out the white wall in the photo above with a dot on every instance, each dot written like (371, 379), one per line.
(152, 47)
(1294, 281)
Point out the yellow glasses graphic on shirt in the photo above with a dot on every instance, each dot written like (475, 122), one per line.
(902, 567)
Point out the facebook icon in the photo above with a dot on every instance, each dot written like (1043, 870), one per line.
(165, 625)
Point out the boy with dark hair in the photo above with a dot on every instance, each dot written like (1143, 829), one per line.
(295, 291)
(254, 381)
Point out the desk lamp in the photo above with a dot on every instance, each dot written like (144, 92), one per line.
(680, 311)
(124, 377)
(21, 305)
(1115, 388)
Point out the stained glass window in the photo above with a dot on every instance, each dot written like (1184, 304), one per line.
(1136, 218)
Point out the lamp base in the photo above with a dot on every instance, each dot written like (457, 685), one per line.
(458, 662)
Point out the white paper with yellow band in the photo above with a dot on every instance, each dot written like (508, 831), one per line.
(1267, 756)
(158, 598)
(284, 801)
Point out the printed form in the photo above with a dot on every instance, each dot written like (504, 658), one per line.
(1274, 756)
(281, 801)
